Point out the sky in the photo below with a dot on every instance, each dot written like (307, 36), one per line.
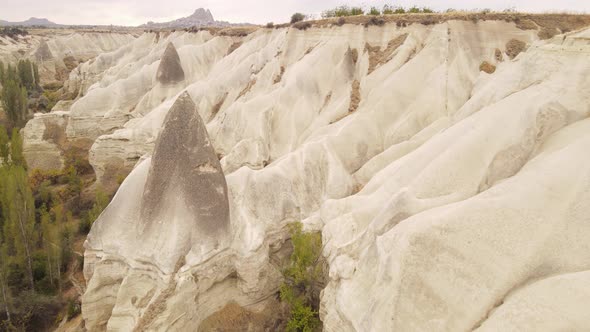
(135, 12)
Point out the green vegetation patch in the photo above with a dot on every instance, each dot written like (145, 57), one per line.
(303, 280)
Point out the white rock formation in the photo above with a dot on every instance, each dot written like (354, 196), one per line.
(44, 135)
(55, 52)
(449, 199)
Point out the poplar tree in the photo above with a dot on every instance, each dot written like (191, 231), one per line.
(49, 240)
(18, 209)
(16, 150)
(54, 237)
(2, 70)
(4, 148)
(6, 296)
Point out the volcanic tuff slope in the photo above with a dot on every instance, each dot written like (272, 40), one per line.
(448, 198)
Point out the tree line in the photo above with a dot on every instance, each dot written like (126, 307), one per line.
(40, 216)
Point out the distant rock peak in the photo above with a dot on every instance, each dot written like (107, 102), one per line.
(203, 15)
(33, 21)
(200, 17)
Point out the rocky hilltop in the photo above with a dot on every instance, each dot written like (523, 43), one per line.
(443, 158)
(200, 18)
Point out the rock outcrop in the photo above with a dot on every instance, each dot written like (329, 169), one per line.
(183, 216)
(44, 141)
(185, 176)
(170, 69)
(200, 18)
(448, 198)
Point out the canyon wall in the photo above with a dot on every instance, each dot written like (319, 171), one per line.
(446, 165)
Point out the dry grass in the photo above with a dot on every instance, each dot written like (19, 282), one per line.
(546, 33)
(355, 96)
(234, 47)
(234, 318)
(215, 109)
(54, 132)
(237, 31)
(564, 22)
(526, 24)
(378, 57)
(247, 88)
(279, 77)
(487, 67)
(514, 47)
(302, 25)
(70, 62)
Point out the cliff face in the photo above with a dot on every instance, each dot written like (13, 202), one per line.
(449, 198)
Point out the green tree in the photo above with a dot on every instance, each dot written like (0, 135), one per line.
(6, 295)
(2, 72)
(14, 100)
(16, 150)
(26, 74)
(19, 217)
(4, 147)
(101, 201)
(297, 17)
(36, 75)
(48, 237)
(302, 278)
(374, 11)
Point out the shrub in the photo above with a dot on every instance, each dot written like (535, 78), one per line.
(510, 10)
(303, 317)
(344, 11)
(387, 10)
(78, 159)
(53, 86)
(414, 10)
(399, 10)
(52, 98)
(302, 25)
(355, 11)
(374, 11)
(101, 201)
(487, 67)
(270, 25)
(375, 21)
(38, 176)
(73, 309)
(13, 32)
(302, 277)
(328, 13)
(297, 17)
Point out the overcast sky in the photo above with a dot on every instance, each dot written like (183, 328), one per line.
(135, 12)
